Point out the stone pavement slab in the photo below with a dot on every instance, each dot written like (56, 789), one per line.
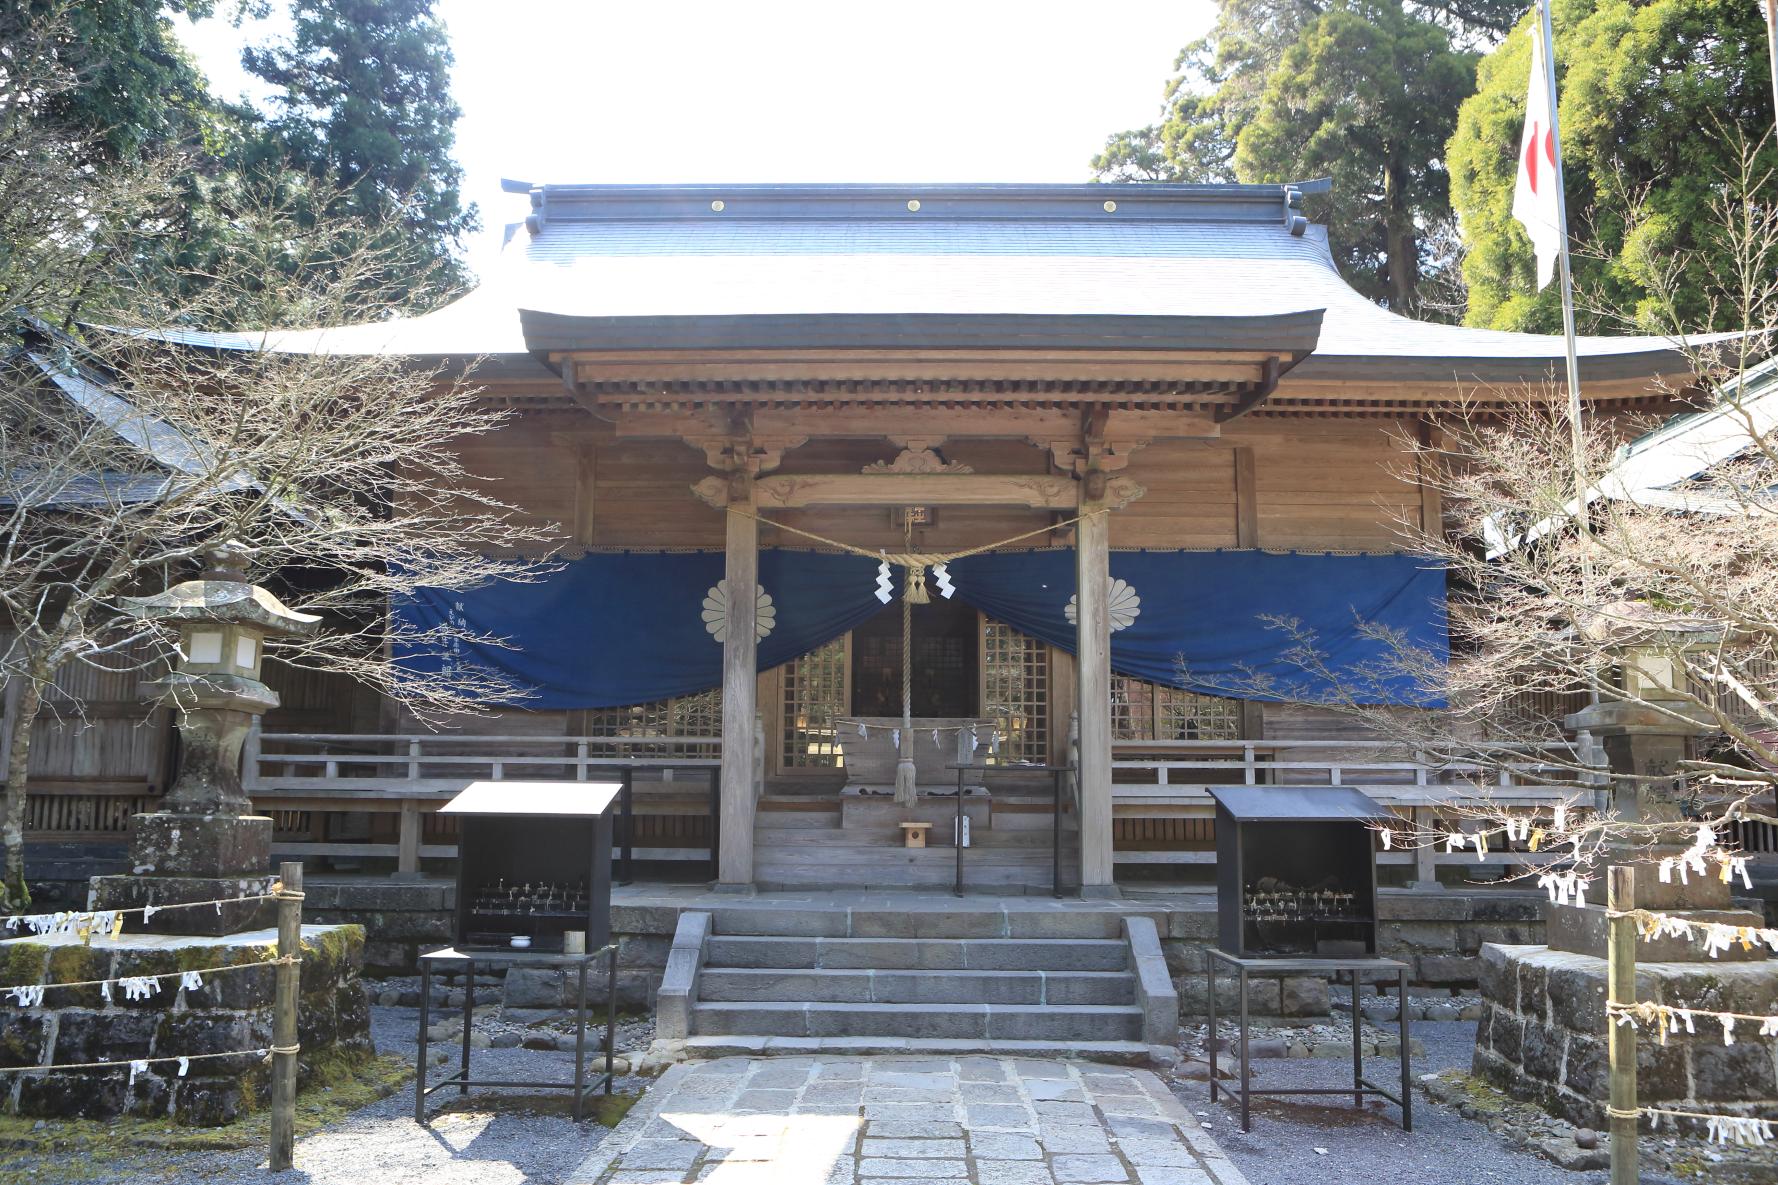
(742, 1121)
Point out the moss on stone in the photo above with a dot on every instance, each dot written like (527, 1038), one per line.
(22, 962)
(338, 1084)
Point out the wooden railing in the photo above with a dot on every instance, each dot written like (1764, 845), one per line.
(313, 775)
(1162, 809)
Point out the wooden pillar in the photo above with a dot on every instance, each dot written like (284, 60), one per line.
(1246, 499)
(1092, 557)
(740, 648)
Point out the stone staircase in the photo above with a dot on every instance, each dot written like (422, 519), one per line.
(1078, 982)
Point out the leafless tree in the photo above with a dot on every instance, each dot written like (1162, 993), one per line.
(127, 454)
(1660, 595)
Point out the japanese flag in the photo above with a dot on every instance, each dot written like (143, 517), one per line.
(1534, 196)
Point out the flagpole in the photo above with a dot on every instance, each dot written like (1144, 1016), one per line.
(1575, 440)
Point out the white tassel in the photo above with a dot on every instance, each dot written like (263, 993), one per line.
(184, 1065)
(1728, 1029)
(885, 583)
(1666, 870)
(942, 577)
(27, 995)
(136, 1067)
(1453, 840)
(191, 981)
(1387, 837)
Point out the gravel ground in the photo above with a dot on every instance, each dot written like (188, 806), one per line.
(490, 1138)
(1362, 1147)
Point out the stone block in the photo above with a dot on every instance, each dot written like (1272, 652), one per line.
(1303, 995)
(1519, 908)
(253, 987)
(1506, 1034)
(1263, 995)
(164, 844)
(72, 964)
(22, 1037)
(83, 1036)
(210, 1101)
(74, 1094)
(1497, 977)
(1541, 1051)
(22, 962)
(1732, 1073)
(1447, 969)
(1404, 905)
(535, 987)
(131, 892)
(1577, 998)
(316, 1021)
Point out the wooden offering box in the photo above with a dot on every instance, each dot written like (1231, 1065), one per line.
(533, 861)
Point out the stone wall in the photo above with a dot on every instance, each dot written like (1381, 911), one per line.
(1440, 935)
(232, 1010)
(1542, 1035)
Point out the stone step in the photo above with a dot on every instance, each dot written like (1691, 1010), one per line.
(1017, 1022)
(1123, 1053)
(905, 954)
(961, 921)
(837, 986)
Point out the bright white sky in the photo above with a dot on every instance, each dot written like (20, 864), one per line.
(785, 90)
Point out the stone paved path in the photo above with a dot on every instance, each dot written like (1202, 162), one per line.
(879, 1120)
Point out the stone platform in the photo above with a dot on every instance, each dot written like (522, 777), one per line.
(231, 1010)
(1542, 1035)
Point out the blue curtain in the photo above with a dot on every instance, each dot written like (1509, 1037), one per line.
(1207, 620)
(625, 628)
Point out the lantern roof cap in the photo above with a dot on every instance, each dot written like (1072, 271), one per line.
(222, 594)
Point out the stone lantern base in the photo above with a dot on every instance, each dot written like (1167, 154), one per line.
(177, 858)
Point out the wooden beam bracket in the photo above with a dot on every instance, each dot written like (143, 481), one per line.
(1268, 383)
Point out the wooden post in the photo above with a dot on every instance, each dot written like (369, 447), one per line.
(1620, 963)
(407, 855)
(1246, 499)
(740, 686)
(1092, 554)
(284, 1044)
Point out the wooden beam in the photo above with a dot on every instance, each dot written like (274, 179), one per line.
(1246, 499)
(1037, 492)
(1432, 508)
(1222, 366)
(1268, 383)
(870, 423)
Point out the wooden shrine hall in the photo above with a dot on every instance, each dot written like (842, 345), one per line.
(1157, 407)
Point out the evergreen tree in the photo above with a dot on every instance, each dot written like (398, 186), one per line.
(1365, 91)
(1656, 99)
(364, 108)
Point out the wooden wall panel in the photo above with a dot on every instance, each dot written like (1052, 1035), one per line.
(1329, 484)
(1190, 499)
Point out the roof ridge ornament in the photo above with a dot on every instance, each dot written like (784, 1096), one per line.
(1294, 222)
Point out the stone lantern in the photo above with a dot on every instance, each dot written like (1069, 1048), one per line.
(205, 842)
(1648, 728)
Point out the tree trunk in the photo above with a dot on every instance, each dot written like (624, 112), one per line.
(18, 763)
(1404, 262)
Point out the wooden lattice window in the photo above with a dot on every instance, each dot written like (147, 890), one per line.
(1016, 691)
(1150, 712)
(698, 715)
(815, 693)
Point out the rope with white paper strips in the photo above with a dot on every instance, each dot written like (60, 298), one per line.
(136, 987)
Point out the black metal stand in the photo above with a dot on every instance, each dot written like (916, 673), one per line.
(461, 1079)
(1055, 772)
(1355, 968)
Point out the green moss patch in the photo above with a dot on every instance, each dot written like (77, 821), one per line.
(339, 1085)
